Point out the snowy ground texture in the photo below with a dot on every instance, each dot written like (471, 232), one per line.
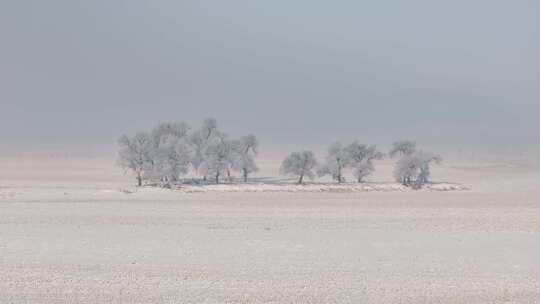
(76, 231)
(315, 187)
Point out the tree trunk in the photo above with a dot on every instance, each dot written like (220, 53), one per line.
(339, 170)
(245, 175)
(301, 180)
(217, 178)
(407, 181)
(139, 180)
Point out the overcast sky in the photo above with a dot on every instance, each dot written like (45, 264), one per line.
(464, 72)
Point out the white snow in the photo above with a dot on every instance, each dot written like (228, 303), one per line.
(77, 231)
(316, 187)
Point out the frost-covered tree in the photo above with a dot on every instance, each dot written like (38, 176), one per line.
(361, 159)
(413, 170)
(403, 147)
(299, 164)
(362, 170)
(170, 162)
(170, 154)
(336, 161)
(170, 149)
(209, 128)
(219, 158)
(136, 154)
(201, 139)
(169, 133)
(245, 153)
(199, 144)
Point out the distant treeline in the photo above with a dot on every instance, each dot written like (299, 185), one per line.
(172, 150)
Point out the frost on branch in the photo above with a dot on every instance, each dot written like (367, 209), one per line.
(299, 164)
(413, 170)
(403, 147)
(172, 150)
(335, 162)
(136, 154)
(361, 159)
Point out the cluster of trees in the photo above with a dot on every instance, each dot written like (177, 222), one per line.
(357, 157)
(412, 169)
(172, 150)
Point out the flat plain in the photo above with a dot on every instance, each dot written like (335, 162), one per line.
(75, 230)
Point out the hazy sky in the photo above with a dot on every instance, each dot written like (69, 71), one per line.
(462, 71)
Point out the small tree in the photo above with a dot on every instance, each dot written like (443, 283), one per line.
(246, 151)
(299, 164)
(336, 161)
(136, 154)
(413, 170)
(403, 147)
(361, 159)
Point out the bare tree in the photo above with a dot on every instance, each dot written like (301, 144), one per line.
(336, 161)
(403, 147)
(300, 164)
(136, 154)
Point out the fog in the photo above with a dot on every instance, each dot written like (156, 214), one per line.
(453, 73)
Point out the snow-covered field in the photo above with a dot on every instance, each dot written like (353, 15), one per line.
(75, 230)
